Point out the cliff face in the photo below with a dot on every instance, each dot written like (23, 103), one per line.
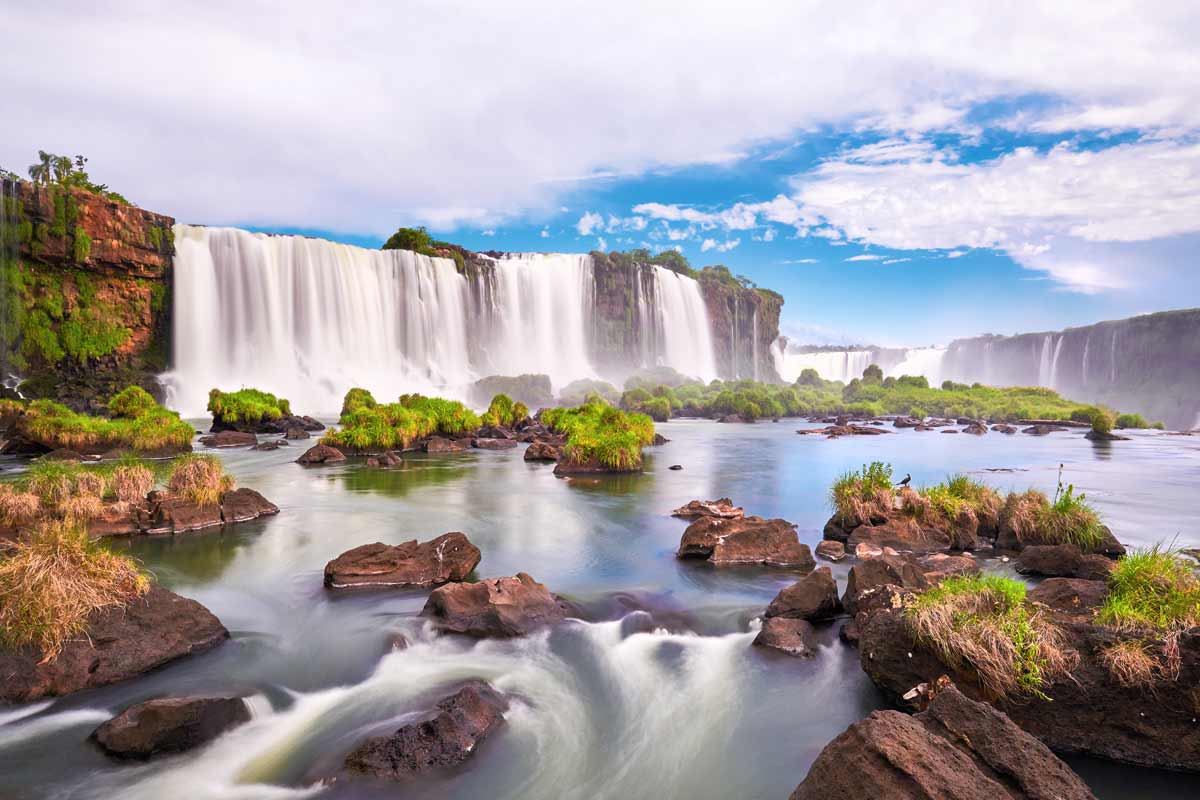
(84, 293)
(1145, 364)
(745, 322)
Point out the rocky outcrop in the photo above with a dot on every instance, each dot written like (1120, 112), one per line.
(229, 438)
(461, 722)
(493, 444)
(722, 508)
(496, 607)
(542, 451)
(286, 425)
(121, 643)
(321, 454)
(957, 749)
(749, 540)
(449, 557)
(534, 390)
(795, 637)
(1063, 561)
(813, 597)
(440, 444)
(831, 550)
(166, 514)
(169, 725)
(567, 466)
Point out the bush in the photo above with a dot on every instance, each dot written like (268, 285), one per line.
(1132, 421)
(1068, 519)
(859, 495)
(247, 405)
(54, 425)
(503, 412)
(872, 374)
(1152, 589)
(199, 479)
(131, 402)
(657, 408)
(576, 393)
(18, 507)
(983, 621)
(131, 482)
(415, 239)
(1102, 421)
(53, 580)
(368, 426)
(356, 399)
(600, 433)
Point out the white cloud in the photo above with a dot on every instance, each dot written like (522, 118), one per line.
(601, 245)
(589, 222)
(896, 260)
(864, 257)
(487, 232)
(720, 247)
(799, 261)
(956, 254)
(545, 234)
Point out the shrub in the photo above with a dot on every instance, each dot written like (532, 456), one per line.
(1034, 519)
(503, 412)
(598, 432)
(53, 580)
(1132, 421)
(657, 408)
(18, 507)
(356, 399)
(983, 621)
(916, 412)
(959, 494)
(367, 425)
(247, 405)
(859, 495)
(1152, 589)
(131, 482)
(55, 425)
(199, 479)
(131, 402)
(1102, 421)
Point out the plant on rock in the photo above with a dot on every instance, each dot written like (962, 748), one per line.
(860, 495)
(599, 434)
(199, 479)
(369, 426)
(247, 405)
(503, 412)
(1067, 519)
(131, 402)
(153, 428)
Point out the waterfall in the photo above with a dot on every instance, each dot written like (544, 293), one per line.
(1044, 362)
(1112, 377)
(921, 361)
(1083, 371)
(832, 365)
(1054, 362)
(307, 319)
(754, 340)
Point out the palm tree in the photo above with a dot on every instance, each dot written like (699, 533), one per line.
(62, 168)
(40, 172)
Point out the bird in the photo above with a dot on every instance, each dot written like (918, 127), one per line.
(904, 482)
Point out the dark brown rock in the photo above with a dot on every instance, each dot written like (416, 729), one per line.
(957, 749)
(750, 540)
(501, 607)
(494, 432)
(1005, 429)
(121, 643)
(494, 444)
(869, 577)
(242, 505)
(722, 507)
(321, 454)
(449, 738)
(169, 725)
(296, 433)
(542, 451)
(831, 550)
(177, 515)
(229, 438)
(813, 597)
(1071, 596)
(903, 535)
(440, 444)
(1042, 429)
(388, 458)
(792, 636)
(449, 557)
(975, 429)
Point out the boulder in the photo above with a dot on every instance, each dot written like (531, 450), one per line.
(1070, 596)
(957, 749)
(975, 429)
(722, 508)
(388, 458)
(461, 722)
(675, 467)
(542, 451)
(296, 433)
(1106, 545)
(229, 438)
(169, 725)
(501, 607)
(1042, 429)
(868, 577)
(907, 422)
(281, 425)
(271, 444)
(1005, 429)
(749, 540)
(813, 597)
(62, 454)
(792, 636)
(177, 515)
(659, 440)
(121, 643)
(568, 466)
(950, 430)
(904, 534)
(440, 444)
(731, 418)
(321, 454)
(449, 557)
(831, 550)
(1063, 561)
(242, 505)
(494, 444)
(494, 432)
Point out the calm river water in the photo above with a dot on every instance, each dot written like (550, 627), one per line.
(659, 695)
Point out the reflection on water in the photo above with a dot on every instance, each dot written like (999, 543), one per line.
(659, 695)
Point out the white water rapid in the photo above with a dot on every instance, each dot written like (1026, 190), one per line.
(683, 330)
(832, 365)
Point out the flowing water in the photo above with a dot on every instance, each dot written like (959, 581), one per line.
(658, 694)
(307, 319)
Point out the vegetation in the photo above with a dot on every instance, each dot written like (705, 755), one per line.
(1067, 519)
(53, 580)
(957, 497)
(984, 622)
(131, 402)
(55, 170)
(1102, 421)
(153, 427)
(247, 405)
(1136, 421)
(1152, 589)
(418, 240)
(576, 393)
(367, 425)
(503, 412)
(859, 495)
(597, 432)
(199, 479)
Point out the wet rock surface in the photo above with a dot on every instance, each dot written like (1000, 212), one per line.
(749, 540)
(449, 557)
(1063, 561)
(813, 597)
(169, 725)
(722, 508)
(795, 637)
(229, 438)
(542, 451)
(496, 607)
(321, 454)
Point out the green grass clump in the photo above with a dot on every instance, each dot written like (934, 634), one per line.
(356, 399)
(199, 479)
(983, 621)
(131, 402)
(1152, 589)
(1067, 519)
(369, 426)
(503, 412)
(247, 405)
(597, 432)
(449, 416)
(56, 426)
(53, 580)
(858, 495)
(957, 495)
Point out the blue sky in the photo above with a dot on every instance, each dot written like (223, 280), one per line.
(900, 178)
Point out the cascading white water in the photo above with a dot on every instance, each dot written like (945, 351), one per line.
(1054, 362)
(1044, 362)
(924, 361)
(685, 340)
(832, 365)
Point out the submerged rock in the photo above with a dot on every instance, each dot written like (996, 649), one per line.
(542, 451)
(813, 597)
(121, 643)
(282, 425)
(1042, 429)
(494, 444)
(976, 429)
(722, 508)
(388, 458)
(749, 540)
(462, 721)
(957, 749)
(440, 444)
(501, 607)
(169, 725)
(321, 454)
(229, 438)
(449, 557)
(792, 636)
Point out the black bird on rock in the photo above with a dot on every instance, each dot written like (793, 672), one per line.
(904, 482)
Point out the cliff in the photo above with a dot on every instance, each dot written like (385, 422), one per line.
(84, 293)
(1146, 364)
(745, 322)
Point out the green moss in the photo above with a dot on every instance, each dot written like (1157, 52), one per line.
(502, 411)
(369, 426)
(55, 425)
(131, 402)
(247, 405)
(85, 335)
(155, 237)
(38, 338)
(82, 245)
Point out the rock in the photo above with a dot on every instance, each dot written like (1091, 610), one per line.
(1005, 429)
(1071, 596)
(750, 540)
(831, 550)
(177, 515)
(731, 418)
(169, 725)
(494, 444)
(242, 505)
(494, 432)
(868, 577)
(940, 565)
(659, 440)
(792, 636)
(862, 550)
(902, 534)
(321, 454)
(675, 467)
(62, 454)
(1063, 561)
(813, 597)
(541, 451)
(229, 438)
(835, 531)
(449, 557)
(440, 444)
(121, 643)
(1042, 429)
(1098, 436)
(271, 444)
(388, 458)
(501, 607)
(975, 429)
(950, 430)
(567, 467)
(957, 749)
(462, 721)
(282, 425)
(1106, 544)
(907, 422)
(722, 508)
(296, 433)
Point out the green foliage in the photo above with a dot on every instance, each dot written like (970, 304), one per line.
(597, 432)
(38, 339)
(62, 171)
(1152, 588)
(55, 425)
(1067, 519)
(82, 245)
(158, 297)
(415, 239)
(873, 374)
(858, 495)
(355, 399)
(576, 393)
(1102, 421)
(369, 426)
(247, 405)
(86, 335)
(1132, 421)
(131, 402)
(503, 412)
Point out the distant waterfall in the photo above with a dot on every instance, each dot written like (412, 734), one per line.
(308, 318)
(832, 365)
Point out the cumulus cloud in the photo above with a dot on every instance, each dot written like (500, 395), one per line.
(545, 234)
(864, 257)
(720, 247)
(589, 222)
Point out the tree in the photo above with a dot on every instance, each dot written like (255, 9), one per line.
(873, 374)
(809, 377)
(416, 239)
(41, 171)
(674, 261)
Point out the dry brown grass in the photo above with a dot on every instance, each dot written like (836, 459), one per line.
(200, 479)
(1131, 664)
(17, 507)
(53, 580)
(132, 483)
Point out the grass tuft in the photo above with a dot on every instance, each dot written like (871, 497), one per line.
(247, 405)
(367, 425)
(1152, 589)
(131, 402)
(859, 495)
(599, 432)
(200, 479)
(154, 428)
(503, 412)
